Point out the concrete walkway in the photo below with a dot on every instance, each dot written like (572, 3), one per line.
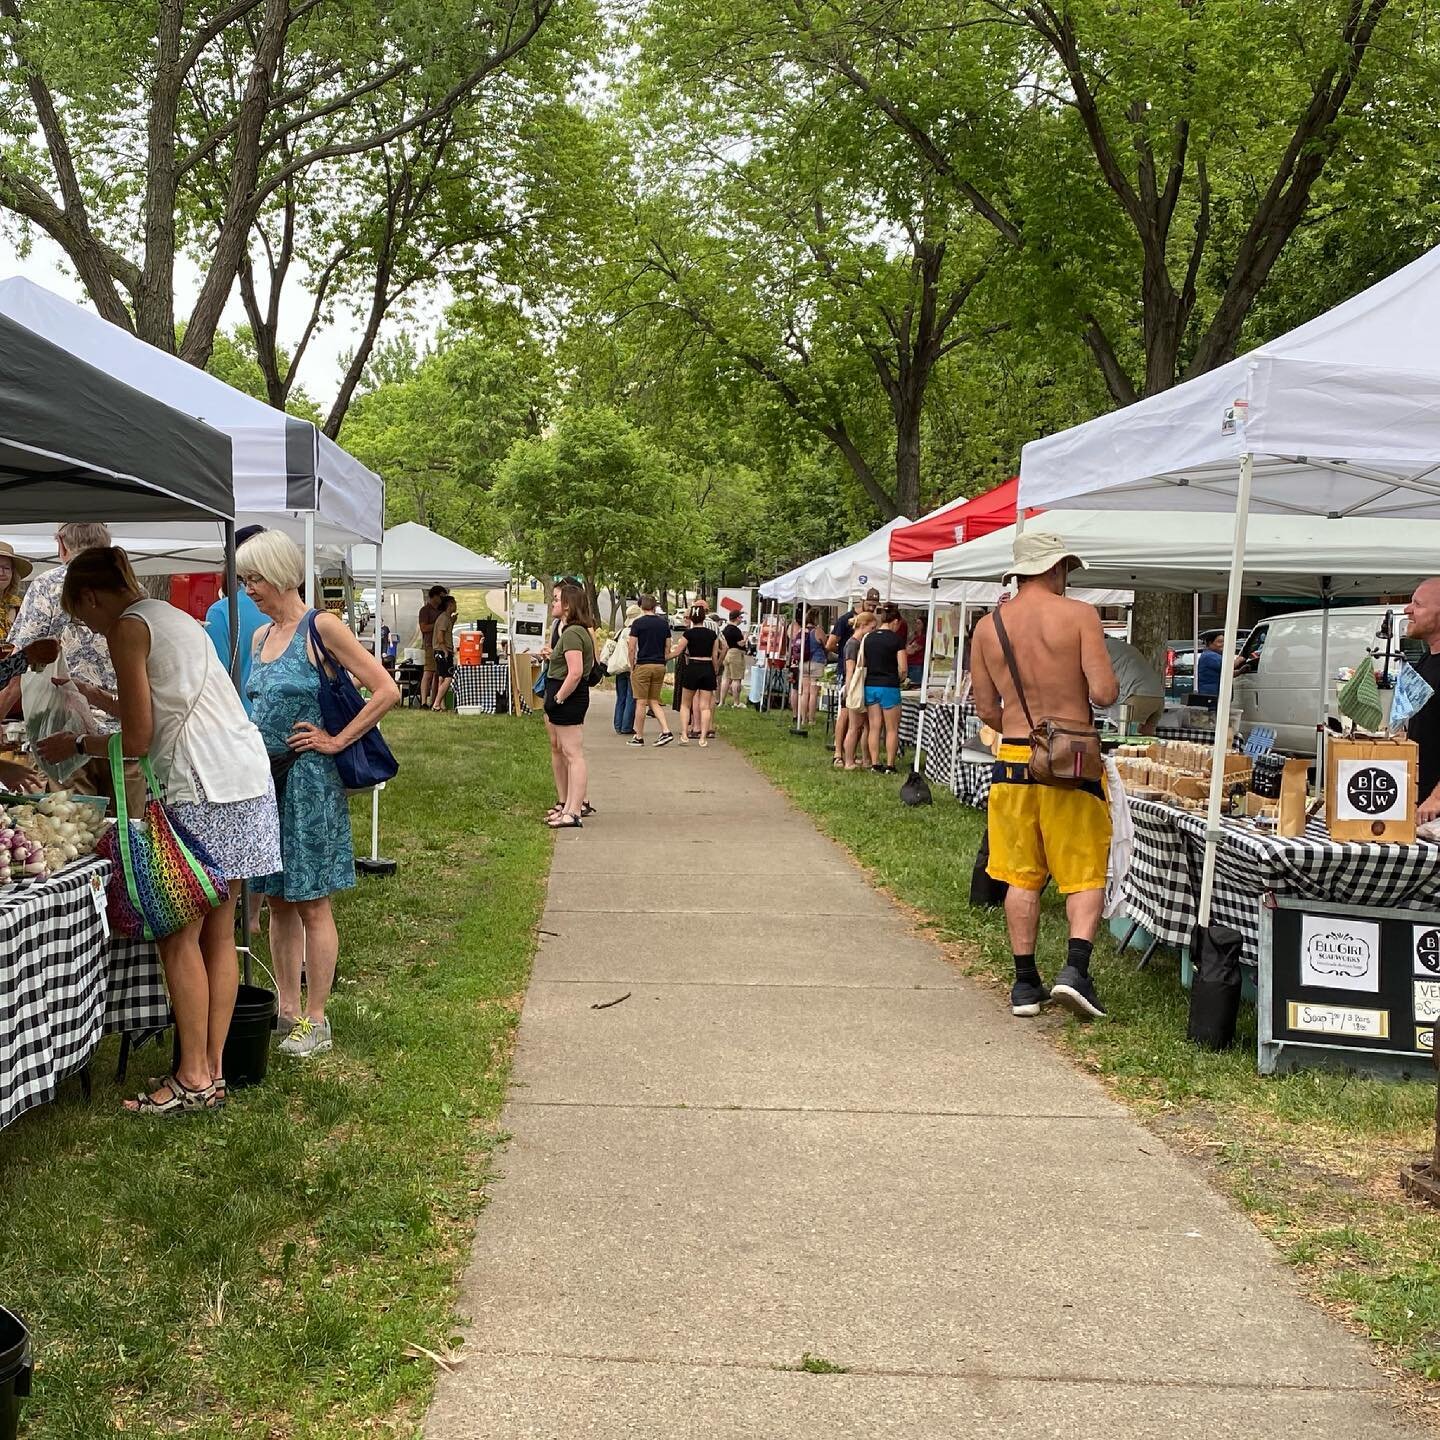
(802, 1132)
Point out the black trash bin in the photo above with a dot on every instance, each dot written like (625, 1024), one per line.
(15, 1368)
(247, 1046)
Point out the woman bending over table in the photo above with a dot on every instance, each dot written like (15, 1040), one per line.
(177, 705)
(316, 855)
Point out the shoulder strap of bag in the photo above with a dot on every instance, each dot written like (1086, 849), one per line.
(328, 667)
(1013, 668)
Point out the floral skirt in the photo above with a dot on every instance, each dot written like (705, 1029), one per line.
(241, 837)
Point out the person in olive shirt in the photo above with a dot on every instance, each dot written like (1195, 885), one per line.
(567, 698)
(1423, 617)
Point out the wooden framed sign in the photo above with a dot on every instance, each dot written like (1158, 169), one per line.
(1347, 984)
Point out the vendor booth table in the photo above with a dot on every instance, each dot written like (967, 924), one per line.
(63, 984)
(1162, 887)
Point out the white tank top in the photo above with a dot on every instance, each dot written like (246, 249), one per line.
(200, 726)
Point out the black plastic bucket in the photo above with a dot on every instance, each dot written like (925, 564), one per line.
(247, 1046)
(14, 1372)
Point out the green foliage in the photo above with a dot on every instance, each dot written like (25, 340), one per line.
(595, 498)
(440, 423)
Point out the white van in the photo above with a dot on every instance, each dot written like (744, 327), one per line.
(1278, 684)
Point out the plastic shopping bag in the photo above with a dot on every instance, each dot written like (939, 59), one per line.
(50, 708)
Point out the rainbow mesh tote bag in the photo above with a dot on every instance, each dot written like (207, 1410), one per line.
(161, 878)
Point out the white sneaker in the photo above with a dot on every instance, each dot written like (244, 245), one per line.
(308, 1039)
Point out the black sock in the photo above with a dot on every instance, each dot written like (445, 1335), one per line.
(1078, 954)
(1025, 968)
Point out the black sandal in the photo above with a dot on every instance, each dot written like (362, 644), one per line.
(586, 810)
(565, 821)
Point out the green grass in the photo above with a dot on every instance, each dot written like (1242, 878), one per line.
(1312, 1157)
(261, 1273)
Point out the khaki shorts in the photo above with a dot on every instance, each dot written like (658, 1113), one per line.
(735, 664)
(429, 657)
(646, 682)
(1043, 830)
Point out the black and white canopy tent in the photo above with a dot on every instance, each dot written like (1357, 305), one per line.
(1339, 419)
(76, 442)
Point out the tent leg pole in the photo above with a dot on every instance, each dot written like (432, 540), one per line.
(1195, 634)
(232, 607)
(374, 865)
(1321, 731)
(1227, 687)
(310, 559)
(925, 678)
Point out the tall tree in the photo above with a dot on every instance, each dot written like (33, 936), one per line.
(822, 268)
(131, 134)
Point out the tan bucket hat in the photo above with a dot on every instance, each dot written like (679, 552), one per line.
(22, 566)
(1036, 552)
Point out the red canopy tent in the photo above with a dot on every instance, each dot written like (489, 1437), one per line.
(957, 522)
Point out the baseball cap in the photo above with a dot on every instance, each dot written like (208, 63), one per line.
(1036, 552)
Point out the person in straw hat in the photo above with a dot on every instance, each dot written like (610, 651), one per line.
(1058, 668)
(13, 569)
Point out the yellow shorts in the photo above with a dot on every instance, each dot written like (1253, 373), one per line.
(1043, 830)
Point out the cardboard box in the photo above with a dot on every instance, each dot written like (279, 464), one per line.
(1370, 790)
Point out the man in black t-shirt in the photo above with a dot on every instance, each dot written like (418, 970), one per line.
(1423, 623)
(732, 676)
(649, 643)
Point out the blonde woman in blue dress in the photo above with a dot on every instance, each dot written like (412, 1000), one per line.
(317, 856)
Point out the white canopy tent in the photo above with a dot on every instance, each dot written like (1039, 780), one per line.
(285, 468)
(415, 555)
(288, 475)
(1339, 419)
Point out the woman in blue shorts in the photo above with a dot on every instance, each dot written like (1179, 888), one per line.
(884, 654)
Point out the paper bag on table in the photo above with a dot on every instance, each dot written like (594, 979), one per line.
(1294, 797)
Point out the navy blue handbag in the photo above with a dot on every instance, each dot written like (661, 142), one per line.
(367, 761)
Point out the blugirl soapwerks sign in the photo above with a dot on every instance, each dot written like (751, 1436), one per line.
(1339, 954)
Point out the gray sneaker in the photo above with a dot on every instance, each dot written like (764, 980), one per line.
(308, 1039)
(284, 1024)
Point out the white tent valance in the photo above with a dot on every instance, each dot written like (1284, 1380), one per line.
(283, 466)
(415, 555)
(1291, 555)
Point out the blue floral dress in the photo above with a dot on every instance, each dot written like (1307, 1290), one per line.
(317, 856)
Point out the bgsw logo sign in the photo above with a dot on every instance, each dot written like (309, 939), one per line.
(1373, 792)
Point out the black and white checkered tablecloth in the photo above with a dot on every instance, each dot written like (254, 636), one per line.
(61, 986)
(968, 783)
(479, 687)
(1162, 889)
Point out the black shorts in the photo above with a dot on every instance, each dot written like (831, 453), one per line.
(699, 675)
(444, 664)
(571, 711)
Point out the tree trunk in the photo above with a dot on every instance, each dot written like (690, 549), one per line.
(907, 460)
(1156, 620)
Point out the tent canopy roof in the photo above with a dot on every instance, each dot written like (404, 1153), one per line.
(964, 519)
(1342, 416)
(280, 464)
(855, 569)
(1284, 554)
(415, 555)
(76, 442)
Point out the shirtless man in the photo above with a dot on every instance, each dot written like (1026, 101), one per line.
(1038, 831)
